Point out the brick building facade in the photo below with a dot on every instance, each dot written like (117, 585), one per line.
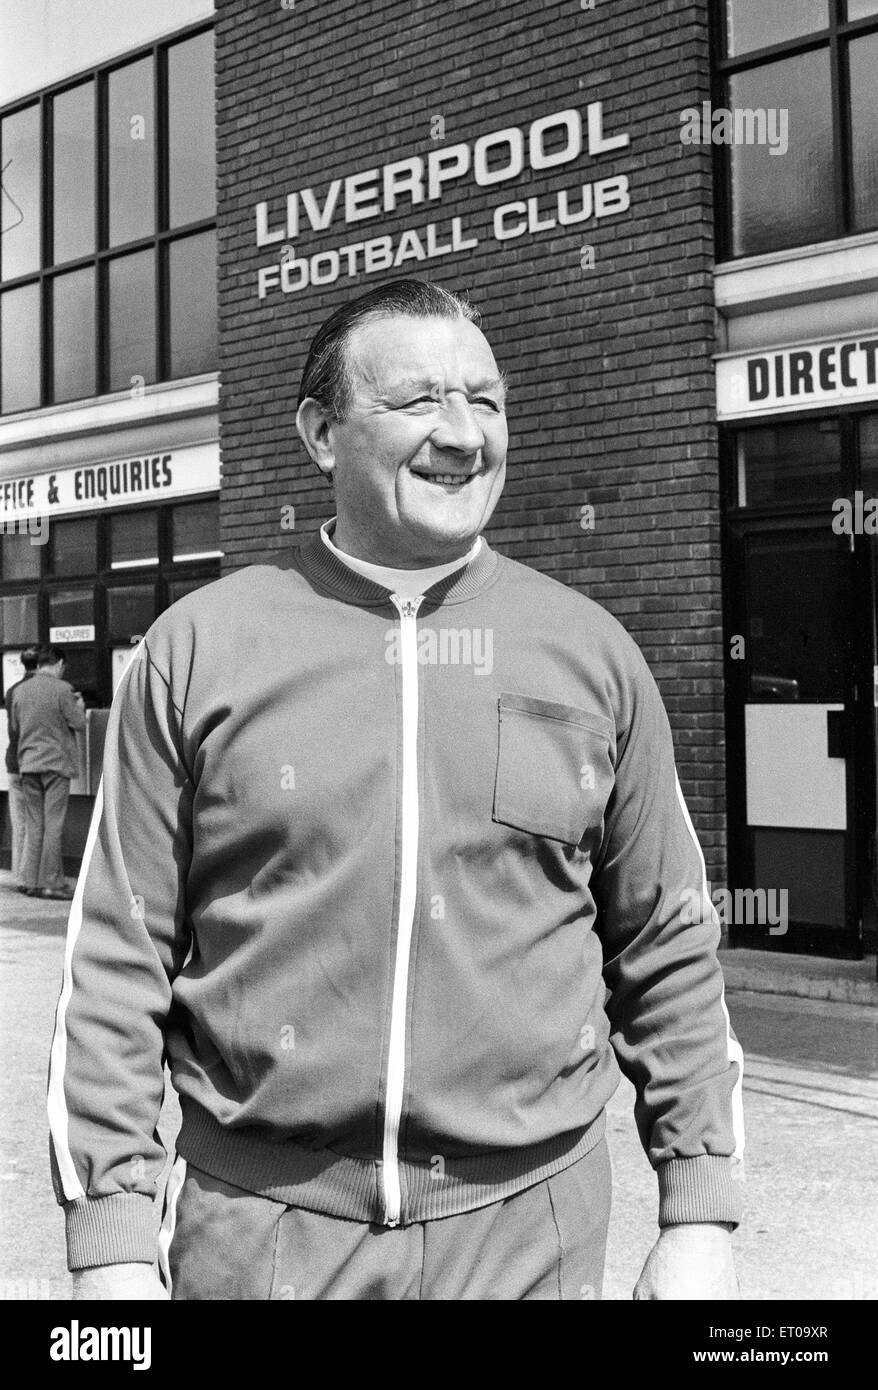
(667, 215)
(612, 401)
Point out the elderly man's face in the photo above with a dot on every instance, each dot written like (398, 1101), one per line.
(419, 462)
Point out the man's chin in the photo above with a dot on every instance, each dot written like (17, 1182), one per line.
(446, 535)
(451, 522)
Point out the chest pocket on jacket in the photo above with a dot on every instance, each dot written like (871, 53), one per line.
(554, 768)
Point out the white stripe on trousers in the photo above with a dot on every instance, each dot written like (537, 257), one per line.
(176, 1179)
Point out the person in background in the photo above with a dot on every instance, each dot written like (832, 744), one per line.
(16, 798)
(46, 713)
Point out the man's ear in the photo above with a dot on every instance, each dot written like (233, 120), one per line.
(315, 432)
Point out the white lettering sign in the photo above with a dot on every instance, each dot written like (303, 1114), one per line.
(84, 633)
(794, 378)
(554, 141)
(94, 486)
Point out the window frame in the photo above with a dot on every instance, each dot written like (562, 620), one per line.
(101, 577)
(161, 237)
(836, 37)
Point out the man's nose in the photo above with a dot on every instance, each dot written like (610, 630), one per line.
(458, 427)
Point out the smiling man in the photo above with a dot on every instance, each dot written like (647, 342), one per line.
(395, 913)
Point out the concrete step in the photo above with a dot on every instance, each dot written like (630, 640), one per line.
(804, 977)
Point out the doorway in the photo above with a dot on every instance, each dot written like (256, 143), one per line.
(800, 663)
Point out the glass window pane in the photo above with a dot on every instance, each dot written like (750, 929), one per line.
(73, 335)
(191, 148)
(130, 610)
(196, 530)
(864, 130)
(193, 304)
(861, 9)
(20, 211)
(70, 607)
(20, 348)
(134, 539)
(21, 559)
(18, 618)
(868, 429)
(131, 320)
(784, 199)
(80, 669)
(74, 546)
(790, 463)
(757, 23)
(73, 172)
(181, 587)
(807, 658)
(131, 136)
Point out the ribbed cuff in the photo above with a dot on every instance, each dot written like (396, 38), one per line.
(113, 1230)
(706, 1188)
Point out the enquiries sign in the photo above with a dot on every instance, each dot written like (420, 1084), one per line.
(92, 486)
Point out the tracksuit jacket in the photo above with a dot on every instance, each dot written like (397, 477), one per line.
(392, 885)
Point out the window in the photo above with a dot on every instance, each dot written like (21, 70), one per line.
(129, 172)
(759, 23)
(71, 607)
(73, 361)
(73, 173)
(181, 587)
(193, 304)
(74, 545)
(863, 59)
(803, 166)
(20, 162)
(130, 609)
(131, 320)
(780, 200)
(868, 443)
(196, 531)
(788, 463)
(131, 150)
(20, 348)
(134, 539)
(18, 619)
(21, 555)
(191, 157)
(113, 570)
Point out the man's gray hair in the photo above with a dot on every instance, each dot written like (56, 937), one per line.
(327, 375)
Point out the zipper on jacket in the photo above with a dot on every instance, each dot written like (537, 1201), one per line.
(408, 887)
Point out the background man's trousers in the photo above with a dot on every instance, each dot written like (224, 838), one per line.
(547, 1242)
(16, 824)
(45, 806)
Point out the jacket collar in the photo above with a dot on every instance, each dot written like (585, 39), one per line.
(319, 564)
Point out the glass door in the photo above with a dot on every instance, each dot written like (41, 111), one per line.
(802, 671)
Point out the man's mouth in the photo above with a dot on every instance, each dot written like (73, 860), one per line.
(452, 480)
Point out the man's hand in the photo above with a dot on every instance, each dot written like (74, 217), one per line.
(118, 1283)
(690, 1262)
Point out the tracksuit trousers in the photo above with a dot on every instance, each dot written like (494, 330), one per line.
(547, 1242)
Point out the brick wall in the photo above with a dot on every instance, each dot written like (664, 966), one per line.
(612, 388)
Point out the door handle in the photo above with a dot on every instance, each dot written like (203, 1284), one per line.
(835, 733)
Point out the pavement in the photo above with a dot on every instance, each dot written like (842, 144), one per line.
(810, 1099)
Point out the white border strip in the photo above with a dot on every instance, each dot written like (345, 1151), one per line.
(735, 1051)
(56, 1103)
(174, 1187)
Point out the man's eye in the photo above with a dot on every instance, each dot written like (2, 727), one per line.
(419, 400)
(486, 400)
